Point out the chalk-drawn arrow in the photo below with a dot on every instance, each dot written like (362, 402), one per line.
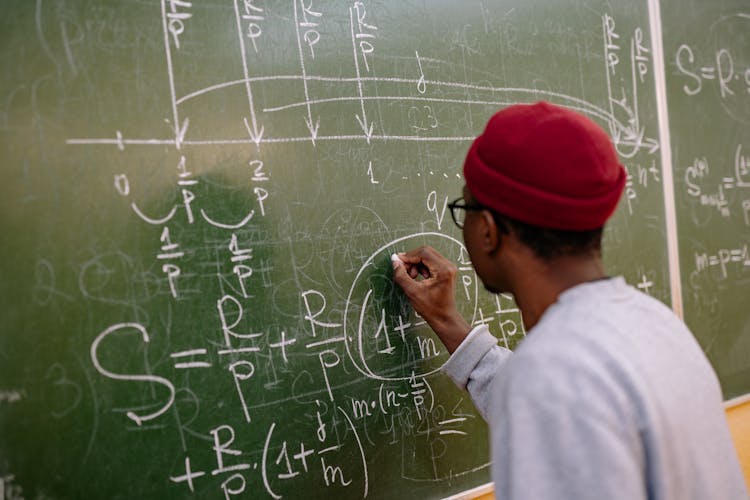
(180, 132)
(312, 128)
(364, 124)
(631, 135)
(361, 119)
(630, 131)
(255, 135)
(308, 120)
(651, 144)
(622, 134)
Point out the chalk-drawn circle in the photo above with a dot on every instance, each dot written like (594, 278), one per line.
(384, 338)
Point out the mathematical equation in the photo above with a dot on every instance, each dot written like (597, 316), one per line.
(722, 259)
(717, 70)
(699, 172)
(287, 465)
(722, 72)
(352, 358)
(730, 197)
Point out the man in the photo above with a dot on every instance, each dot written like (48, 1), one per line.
(609, 396)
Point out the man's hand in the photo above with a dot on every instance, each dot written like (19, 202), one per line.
(429, 281)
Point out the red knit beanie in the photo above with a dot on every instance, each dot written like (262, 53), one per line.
(545, 165)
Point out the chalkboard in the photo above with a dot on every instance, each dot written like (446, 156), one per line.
(198, 204)
(707, 57)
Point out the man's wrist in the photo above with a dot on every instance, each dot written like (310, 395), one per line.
(451, 331)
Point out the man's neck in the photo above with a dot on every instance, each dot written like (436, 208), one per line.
(539, 285)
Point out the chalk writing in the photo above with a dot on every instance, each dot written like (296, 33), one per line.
(176, 18)
(722, 259)
(295, 314)
(721, 70)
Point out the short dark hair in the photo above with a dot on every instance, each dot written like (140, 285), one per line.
(548, 243)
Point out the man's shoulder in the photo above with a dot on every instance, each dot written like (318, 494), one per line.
(565, 367)
(581, 346)
(567, 383)
(613, 343)
(602, 316)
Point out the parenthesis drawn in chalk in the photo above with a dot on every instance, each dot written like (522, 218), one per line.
(155, 222)
(227, 226)
(380, 399)
(432, 394)
(264, 465)
(361, 451)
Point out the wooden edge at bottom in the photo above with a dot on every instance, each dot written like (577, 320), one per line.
(473, 493)
(739, 400)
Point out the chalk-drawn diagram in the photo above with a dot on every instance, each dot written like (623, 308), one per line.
(364, 348)
(200, 200)
(368, 336)
(619, 114)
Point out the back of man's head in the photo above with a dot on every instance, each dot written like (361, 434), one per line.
(550, 172)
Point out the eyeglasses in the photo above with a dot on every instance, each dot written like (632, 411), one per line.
(457, 207)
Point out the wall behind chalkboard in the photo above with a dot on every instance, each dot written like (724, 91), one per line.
(199, 200)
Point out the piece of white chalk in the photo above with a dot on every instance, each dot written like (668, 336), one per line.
(395, 258)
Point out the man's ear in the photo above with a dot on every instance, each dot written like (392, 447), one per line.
(490, 235)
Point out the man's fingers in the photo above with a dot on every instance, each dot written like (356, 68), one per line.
(414, 270)
(402, 277)
(410, 257)
(424, 260)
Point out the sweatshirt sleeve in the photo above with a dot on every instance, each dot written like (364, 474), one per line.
(475, 363)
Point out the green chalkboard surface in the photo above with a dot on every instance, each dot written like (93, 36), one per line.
(707, 58)
(199, 201)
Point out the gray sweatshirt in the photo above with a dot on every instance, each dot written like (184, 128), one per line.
(609, 397)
